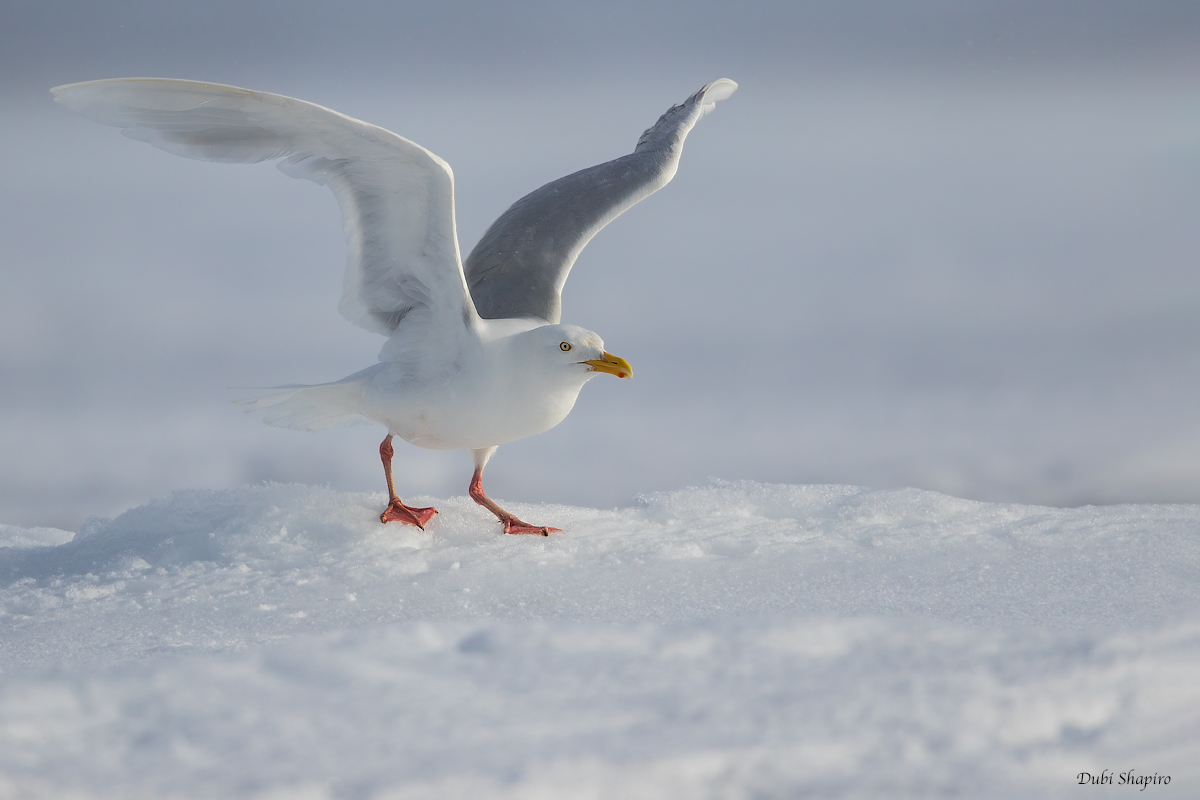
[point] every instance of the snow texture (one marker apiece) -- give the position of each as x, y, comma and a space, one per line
733, 641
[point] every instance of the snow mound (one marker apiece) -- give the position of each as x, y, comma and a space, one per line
735, 640
12, 536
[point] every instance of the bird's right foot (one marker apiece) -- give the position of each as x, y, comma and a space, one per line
398, 512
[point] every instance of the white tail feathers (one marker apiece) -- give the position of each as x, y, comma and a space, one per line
310, 408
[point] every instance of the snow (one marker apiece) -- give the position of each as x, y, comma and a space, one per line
728, 641
15, 536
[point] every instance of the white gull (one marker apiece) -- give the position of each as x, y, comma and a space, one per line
475, 355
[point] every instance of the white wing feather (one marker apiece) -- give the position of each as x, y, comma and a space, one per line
403, 268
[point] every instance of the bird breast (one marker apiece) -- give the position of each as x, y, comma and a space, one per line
479, 406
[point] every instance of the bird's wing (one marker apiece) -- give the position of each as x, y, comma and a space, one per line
520, 265
397, 198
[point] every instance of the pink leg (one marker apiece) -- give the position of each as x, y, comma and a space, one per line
511, 523
397, 511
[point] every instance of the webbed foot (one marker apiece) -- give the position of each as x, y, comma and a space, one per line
398, 512
514, 525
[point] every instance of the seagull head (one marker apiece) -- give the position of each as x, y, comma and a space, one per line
569, 349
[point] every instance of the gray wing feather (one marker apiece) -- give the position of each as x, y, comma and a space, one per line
520, 265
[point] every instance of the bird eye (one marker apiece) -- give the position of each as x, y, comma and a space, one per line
565, 346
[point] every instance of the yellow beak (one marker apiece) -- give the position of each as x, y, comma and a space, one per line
613, 365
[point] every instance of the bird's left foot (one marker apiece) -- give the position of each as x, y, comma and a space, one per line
514, 525
511, 523
398, 512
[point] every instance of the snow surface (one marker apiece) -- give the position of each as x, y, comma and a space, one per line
733, 641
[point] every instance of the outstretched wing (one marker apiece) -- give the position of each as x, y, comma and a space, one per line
520, 265
397, 198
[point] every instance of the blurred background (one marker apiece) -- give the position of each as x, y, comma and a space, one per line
949, 245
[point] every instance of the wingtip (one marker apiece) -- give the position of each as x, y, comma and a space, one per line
56, 92
67, 88
70, 94
719, 90
85, 92
73, 93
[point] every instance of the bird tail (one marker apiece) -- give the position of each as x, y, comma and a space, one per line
310, 408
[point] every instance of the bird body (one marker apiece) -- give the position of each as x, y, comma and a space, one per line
475, 355
537, 380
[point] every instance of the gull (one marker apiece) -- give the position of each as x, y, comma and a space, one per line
475, 355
